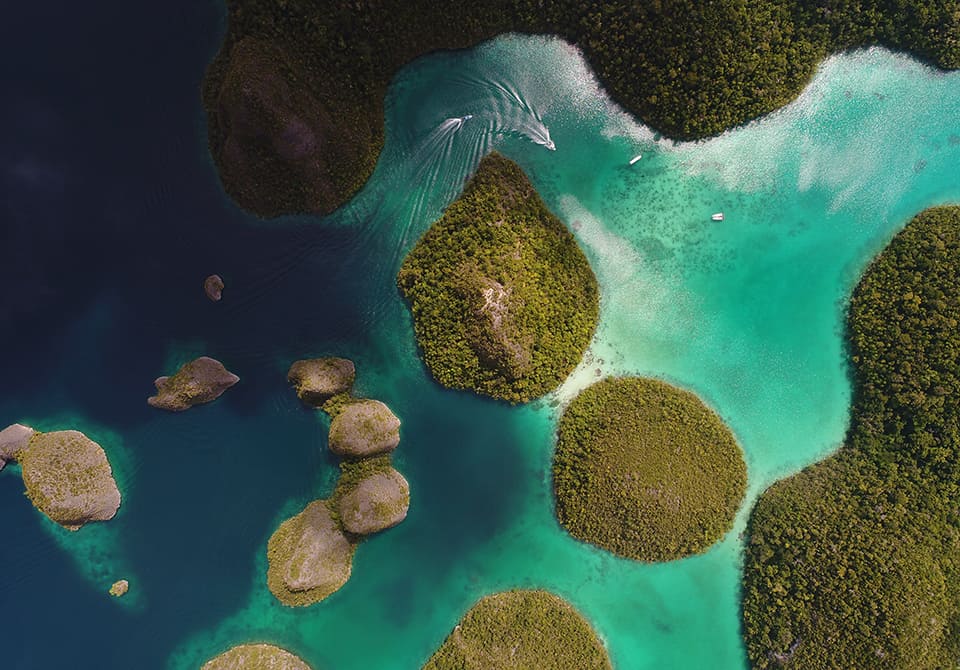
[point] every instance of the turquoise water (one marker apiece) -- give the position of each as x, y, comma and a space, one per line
747, 312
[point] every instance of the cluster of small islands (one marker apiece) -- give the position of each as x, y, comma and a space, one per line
853, 562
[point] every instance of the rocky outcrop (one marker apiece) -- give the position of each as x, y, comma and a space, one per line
119, 588
199, 381
255, 657
377, 502
68, 478
364, 428
13, 439
309, 557
316, 380
494, 334
213, 287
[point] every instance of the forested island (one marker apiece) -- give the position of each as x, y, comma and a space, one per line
646, 470
255, 657
520, 630
295, 96
504, 302
855, 561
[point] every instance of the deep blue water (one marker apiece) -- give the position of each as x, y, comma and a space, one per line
110, 211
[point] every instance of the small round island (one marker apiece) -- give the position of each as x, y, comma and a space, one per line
255, 657
646, 470
518, 630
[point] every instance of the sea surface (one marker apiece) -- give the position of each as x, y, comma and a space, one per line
111, 215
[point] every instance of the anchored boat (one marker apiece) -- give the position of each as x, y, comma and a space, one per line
717, 217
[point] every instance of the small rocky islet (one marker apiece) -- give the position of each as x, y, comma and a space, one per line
316, 380
119, 588
13, 439
363, 428
378, 501
199, 381
310, 555
213, 287
66, 474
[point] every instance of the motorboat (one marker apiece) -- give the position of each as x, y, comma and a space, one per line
635, 158
717, 217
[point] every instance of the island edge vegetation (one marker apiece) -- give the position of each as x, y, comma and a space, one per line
855, 562
295, 96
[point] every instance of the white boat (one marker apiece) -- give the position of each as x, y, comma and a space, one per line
717, 217
635, 158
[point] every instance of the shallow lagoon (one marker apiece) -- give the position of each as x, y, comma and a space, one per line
747, 312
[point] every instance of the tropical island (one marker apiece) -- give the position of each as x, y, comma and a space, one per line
295, 96
504, 302
199, 381
66, 474
855, 561
519, 630
255, 657
310, 555
646, 470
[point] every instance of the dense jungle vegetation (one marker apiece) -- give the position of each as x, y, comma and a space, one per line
504, 302
299, 127
646, 470
855, 562
521, 630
